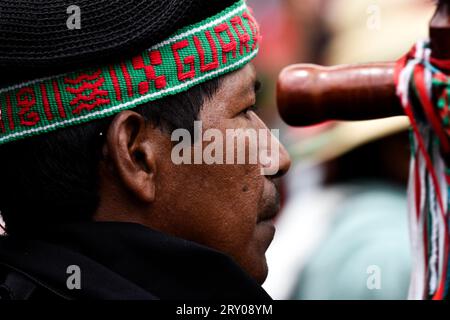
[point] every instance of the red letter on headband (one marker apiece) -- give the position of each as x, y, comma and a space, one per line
254, 26
188, 61
244, 37
226, 47
201, 52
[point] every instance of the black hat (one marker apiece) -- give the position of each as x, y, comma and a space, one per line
35, 40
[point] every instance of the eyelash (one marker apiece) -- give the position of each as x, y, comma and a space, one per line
253, 108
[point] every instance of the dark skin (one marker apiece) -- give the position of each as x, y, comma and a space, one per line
225, 207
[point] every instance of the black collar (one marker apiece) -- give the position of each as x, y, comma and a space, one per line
128, 261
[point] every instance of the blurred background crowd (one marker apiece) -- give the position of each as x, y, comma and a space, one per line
344, 219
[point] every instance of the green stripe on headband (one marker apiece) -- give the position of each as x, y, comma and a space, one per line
198, 53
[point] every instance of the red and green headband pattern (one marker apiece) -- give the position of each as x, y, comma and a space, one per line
195, 54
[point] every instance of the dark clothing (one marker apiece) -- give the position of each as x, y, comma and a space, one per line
122, 261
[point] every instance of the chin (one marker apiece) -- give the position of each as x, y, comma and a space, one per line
260, 273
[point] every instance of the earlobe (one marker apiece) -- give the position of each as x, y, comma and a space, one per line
130, 152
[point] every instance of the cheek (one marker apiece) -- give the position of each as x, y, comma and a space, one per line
219, 204
216, 205
235, 191
232, 195
234, 207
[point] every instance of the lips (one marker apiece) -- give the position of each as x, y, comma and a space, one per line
271, 211
268, 215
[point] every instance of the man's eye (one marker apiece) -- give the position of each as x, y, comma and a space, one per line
253, 108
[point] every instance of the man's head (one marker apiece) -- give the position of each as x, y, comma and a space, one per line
120, 168
223, 206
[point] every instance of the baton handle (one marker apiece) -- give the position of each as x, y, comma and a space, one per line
309, 94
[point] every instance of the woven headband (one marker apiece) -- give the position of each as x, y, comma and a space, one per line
195, 54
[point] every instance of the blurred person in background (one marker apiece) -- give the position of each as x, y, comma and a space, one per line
345, 218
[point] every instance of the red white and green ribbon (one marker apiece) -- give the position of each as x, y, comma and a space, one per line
424, 89
195, 54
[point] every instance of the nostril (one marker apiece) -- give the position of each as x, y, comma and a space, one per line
283, 168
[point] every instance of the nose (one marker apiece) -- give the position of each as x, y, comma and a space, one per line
276, 164
285, 161
279, 161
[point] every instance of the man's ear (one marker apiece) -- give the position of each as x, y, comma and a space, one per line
130, 153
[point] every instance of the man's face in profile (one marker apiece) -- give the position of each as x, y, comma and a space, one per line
227, 207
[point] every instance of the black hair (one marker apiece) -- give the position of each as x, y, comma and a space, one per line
53, 178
